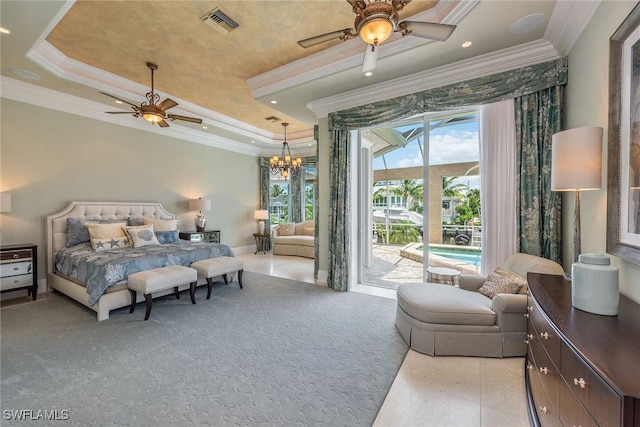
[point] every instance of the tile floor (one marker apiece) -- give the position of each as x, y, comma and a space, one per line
431, 391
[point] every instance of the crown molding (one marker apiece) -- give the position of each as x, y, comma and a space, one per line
36, 95
348, 55
567, 22
491, 63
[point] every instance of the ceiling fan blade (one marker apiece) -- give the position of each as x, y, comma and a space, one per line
185, 118
312, 41
121, 100
370, 58
166, 104
163, 124
428, 30
120, 112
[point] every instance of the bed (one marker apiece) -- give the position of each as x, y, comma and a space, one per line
98, 279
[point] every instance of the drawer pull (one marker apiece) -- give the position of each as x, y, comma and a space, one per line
543, 409
529, 338
544, 335
526, 315
544, 370
581, 382
529, 366
16, 256
530, 309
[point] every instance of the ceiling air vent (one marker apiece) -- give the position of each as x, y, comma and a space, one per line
272, 119
218, 20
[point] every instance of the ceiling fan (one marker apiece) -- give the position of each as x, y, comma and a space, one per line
374, 23
152, 109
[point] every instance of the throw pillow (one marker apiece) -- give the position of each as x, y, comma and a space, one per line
514, 277
287, 229
167, 236
105, 231
308, 231
77, 232
497, 284
107, 244
142, 235
161, 224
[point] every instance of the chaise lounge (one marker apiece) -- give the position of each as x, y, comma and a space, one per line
294, 239
440, 320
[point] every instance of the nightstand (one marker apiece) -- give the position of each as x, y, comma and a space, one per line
19, 268
212, 236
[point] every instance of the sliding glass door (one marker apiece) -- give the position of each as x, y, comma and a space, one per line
419, 198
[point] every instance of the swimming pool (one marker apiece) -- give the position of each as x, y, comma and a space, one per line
470, 257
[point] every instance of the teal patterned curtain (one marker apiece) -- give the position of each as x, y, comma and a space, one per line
538, 117
484, 90
316, 244
339, 216
297, 193
265, 177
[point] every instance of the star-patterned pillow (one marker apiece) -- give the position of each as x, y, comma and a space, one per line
108, 244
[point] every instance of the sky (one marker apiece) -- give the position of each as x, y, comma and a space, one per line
451, 144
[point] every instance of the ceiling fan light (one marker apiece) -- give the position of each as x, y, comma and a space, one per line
152, 117
376, 30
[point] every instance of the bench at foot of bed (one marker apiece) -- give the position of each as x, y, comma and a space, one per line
160, 279
216, 267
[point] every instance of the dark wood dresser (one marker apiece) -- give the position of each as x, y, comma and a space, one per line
582, 369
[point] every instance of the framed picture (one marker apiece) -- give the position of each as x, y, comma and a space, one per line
623, 197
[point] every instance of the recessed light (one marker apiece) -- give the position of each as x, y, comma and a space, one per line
204, 127
117, 101
310, 144
253, 142
467, 43
273, 101
368, 74
25, 74
527, 23
3, 30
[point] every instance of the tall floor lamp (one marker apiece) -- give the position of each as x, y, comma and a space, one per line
576, 165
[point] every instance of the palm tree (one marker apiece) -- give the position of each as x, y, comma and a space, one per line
410, 190
276, 190
452, 190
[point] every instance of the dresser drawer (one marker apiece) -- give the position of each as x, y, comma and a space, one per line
13, 282
572, 413
604, 404
15, 268
546, 413
548, 373
545, 333
15, 255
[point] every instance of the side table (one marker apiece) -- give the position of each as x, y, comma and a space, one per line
263, 242
443, 275
19, 268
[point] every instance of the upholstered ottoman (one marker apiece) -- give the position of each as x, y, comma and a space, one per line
159, 279
216, 267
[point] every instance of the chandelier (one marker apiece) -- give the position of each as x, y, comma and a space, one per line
284, 164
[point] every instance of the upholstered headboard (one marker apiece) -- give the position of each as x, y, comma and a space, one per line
56, 226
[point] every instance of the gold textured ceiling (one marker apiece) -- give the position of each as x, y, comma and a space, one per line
195, 62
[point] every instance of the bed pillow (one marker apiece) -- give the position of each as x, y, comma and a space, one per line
286, 229
497, 284
105, 231
167, 236
142, 235
131, 221
161, 224
107, 244
77, 232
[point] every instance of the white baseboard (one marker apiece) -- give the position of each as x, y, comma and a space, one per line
322, 276
244, 250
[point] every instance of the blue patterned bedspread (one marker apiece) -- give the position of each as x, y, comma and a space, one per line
99, 270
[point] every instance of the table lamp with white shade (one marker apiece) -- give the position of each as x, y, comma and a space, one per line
576, 165
261, 215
